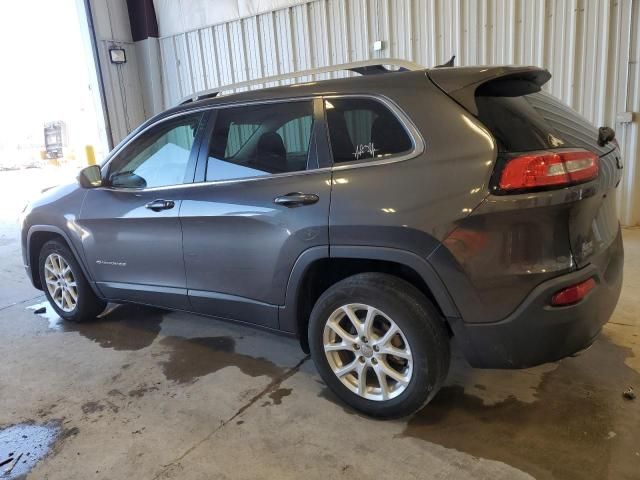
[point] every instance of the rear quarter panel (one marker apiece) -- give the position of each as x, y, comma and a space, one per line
413, 204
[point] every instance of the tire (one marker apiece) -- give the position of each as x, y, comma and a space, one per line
423, 340
87, 306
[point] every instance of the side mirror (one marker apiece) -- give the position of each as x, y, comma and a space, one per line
90, 177
127, 180
605, 135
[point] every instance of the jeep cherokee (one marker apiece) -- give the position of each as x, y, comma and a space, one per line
374, 217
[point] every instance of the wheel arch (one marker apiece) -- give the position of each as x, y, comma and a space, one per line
37, 236
318, 268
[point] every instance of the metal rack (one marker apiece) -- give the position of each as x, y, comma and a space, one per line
365, 67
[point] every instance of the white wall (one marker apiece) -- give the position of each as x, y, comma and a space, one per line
178, 16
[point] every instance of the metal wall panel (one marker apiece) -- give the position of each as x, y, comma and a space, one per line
122, 85
590, 47
123, 89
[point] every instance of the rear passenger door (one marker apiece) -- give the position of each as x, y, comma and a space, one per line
260, 202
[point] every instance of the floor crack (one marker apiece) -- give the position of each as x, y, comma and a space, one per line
623, 324
273, 385
4, 307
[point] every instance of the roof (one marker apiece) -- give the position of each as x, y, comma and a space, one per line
361, 84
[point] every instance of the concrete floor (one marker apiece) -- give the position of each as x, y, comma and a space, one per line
144, 393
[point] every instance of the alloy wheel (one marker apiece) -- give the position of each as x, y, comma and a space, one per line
61, 283
368, 352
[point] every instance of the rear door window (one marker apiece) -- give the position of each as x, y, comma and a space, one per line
260, 140
361, 129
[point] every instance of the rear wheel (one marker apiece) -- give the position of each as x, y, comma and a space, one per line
65, 285
379, 344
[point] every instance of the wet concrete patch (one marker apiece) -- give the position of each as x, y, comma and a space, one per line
121, 327
142, 390
23, 446
97, 407
192, 358
277, 395
92, 407
579, 426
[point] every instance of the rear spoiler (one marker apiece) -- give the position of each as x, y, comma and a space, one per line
463, 84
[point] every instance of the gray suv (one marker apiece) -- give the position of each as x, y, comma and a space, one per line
374, 217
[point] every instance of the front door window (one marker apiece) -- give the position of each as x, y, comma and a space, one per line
159, 157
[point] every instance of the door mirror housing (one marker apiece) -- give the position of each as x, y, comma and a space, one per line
90, 177
127, 180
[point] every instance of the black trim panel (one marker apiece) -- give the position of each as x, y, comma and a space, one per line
167, 297
411, 260
80, 258
233, 307
288, 313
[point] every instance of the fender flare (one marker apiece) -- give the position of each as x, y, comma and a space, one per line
288, 320
80, 258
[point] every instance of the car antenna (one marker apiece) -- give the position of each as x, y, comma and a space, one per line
448, 64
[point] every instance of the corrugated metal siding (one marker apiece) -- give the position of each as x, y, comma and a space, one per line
586, 44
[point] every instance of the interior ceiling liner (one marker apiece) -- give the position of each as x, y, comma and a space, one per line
178, 16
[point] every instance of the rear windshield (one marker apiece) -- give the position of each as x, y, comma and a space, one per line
535, 122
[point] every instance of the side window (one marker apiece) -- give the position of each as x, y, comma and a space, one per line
157, 158
259, 140
239, 135
361, 128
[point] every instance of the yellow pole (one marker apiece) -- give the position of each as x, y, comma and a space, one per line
91, 154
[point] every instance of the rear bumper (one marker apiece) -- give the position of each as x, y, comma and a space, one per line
537, 333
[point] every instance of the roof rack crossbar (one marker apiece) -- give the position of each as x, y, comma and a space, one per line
364, 67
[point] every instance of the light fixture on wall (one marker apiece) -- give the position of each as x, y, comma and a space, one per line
117, 55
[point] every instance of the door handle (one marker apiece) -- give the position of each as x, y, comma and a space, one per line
158, 205
296, 199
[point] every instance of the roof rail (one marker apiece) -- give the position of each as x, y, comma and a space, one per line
364, 67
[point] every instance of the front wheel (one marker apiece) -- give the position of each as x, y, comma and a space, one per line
379, 344
65, 285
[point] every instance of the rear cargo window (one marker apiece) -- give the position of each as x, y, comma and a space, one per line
516, 125
535, 122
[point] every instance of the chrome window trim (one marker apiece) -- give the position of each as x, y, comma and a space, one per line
226, 182
403, 118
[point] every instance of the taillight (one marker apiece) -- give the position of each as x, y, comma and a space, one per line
573, 294
548, 169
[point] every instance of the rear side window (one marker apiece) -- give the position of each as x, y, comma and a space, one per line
260, 140
361, 129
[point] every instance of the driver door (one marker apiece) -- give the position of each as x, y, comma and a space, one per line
132, 236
